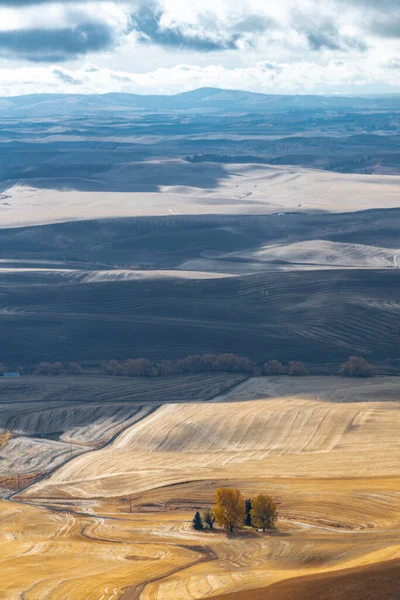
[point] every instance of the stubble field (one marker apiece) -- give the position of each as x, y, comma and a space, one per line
326, 448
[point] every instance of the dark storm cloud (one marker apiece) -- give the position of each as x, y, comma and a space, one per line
56, 45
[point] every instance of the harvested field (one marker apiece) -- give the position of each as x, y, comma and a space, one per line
152, 286
286, 316
175, 187
54, 555
283, 435
317, 254
327, 389
103, 390
356, 239
55, 418
326, 448
98, 548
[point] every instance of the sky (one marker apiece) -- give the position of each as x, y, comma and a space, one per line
172, 46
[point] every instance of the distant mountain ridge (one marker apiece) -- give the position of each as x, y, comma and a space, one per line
202, 100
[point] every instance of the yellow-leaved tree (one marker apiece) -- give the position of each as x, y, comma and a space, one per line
229, 509
263, 512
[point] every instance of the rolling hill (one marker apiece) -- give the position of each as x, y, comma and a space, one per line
201, 100
274, 315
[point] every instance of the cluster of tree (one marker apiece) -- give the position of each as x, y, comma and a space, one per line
59, 368
231, 511
295, 368
356, 366
138, 367
196, 363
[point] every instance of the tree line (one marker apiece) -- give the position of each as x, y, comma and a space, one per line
195, 363
355, 366
59, 368
231, 511
199, 363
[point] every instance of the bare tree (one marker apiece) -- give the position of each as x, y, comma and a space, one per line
357, 366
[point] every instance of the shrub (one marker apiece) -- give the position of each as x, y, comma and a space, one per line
297, 369
357, 366
74, 368
57, 368
109, 367
119, 370
274, 367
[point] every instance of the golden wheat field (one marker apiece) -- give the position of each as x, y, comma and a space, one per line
326, 448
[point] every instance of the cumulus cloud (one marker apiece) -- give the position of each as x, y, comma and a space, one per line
207, 27
153, 25
147, 23
256, 44
328, 37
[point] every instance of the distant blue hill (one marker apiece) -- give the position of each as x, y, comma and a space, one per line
203, 100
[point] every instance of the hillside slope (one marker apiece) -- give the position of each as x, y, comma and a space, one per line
290, 436
275, 315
